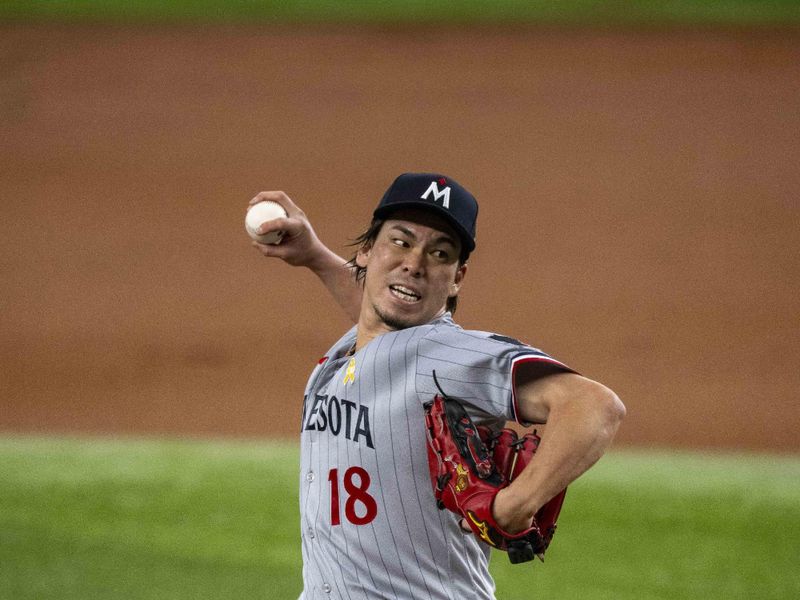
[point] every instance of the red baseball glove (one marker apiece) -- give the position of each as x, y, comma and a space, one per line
469, 465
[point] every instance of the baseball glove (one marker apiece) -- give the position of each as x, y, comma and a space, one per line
469, 465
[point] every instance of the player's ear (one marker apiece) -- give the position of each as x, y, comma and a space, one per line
455, 287
362, 256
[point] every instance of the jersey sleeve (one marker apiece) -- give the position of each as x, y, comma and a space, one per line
478, 368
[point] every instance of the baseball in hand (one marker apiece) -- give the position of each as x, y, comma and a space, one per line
261, 213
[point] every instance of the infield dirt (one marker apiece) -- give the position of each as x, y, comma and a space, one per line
639, 215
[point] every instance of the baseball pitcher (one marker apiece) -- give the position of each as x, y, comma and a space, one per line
408, 474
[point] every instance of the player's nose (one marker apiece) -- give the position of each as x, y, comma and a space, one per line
414, 263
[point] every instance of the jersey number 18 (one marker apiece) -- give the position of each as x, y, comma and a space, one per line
356, 494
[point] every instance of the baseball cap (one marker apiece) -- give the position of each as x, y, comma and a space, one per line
439, 194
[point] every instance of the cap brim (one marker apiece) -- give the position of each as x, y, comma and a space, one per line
467, 243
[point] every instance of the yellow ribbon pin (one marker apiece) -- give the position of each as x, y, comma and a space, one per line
350, 374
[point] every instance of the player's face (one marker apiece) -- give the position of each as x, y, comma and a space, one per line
412, 269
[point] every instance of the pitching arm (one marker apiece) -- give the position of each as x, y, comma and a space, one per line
302, 248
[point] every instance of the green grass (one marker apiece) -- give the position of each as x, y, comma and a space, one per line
101, 518
134, 519
436, 12
674, 525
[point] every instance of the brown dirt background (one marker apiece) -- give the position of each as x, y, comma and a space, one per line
639, 214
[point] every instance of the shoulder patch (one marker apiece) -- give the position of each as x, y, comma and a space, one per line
507, 340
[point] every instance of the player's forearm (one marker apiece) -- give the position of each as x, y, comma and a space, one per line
579, 430
338, 278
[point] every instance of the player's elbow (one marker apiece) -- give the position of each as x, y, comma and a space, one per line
610, 410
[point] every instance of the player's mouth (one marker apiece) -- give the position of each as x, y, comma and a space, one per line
405, 294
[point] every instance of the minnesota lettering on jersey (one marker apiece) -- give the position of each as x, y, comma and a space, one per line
339, 417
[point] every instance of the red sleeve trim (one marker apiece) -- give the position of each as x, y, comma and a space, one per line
522, 360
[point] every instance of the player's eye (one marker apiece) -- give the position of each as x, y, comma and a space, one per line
441, 254
399, 242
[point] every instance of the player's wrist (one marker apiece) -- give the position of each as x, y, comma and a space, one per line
512, 510
321, 260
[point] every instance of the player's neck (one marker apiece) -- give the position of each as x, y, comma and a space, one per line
370, 326
366, 333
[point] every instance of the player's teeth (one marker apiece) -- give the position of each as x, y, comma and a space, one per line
404, 293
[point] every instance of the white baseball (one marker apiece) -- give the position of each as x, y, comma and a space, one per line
261, 213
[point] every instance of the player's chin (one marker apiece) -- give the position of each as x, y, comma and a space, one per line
400, 317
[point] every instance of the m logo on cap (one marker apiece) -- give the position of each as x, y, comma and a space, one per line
437, 194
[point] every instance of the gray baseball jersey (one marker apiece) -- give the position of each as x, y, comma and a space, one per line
369, 522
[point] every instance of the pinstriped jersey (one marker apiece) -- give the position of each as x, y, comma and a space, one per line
370, 527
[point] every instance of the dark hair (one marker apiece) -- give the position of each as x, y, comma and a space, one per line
368, 237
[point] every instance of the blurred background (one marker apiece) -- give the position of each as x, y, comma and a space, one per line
638, 187
635, 163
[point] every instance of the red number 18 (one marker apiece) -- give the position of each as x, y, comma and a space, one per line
355, 493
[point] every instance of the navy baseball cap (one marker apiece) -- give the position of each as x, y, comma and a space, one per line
439, 194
